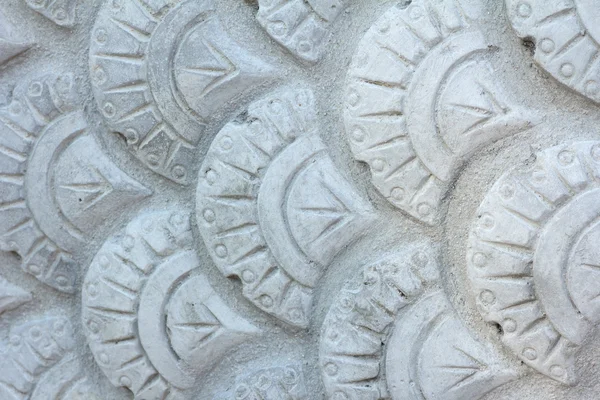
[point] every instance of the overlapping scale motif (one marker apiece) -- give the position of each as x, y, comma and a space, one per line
533, 259
271, 206
277, 222
421, 98
160, 69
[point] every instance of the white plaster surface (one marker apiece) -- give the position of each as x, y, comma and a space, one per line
299, 199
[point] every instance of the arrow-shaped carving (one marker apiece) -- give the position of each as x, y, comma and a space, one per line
95, 190
336, 212
220, 74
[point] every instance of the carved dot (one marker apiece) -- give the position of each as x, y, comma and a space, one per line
59, 327
93, 327
487, 297
116, 4
331, 369
60, 14
295, 315
415, 12
103, 358
539, 176
92, 290
179, 171
358, 134
547, 45
557, 371
35, 333
304, 46
509, 325
398, 193
524, 10
148, 225
99, 75
383, 27
565, 157
226, 143
346, 304
248, 276
340, 396
211, 176
479, 260
256, 127
15, 340
125, 381
424, 209
62, 281
507, 191
592, 88
264, 382
290, 376
177, 219
221, 251
153, 159
15, 108
38, 3
131, 136
303, 98
64, 84
378, 165
34, 269
353, 98
35, 89
242, 391
109, 110
278, 28
277, 107
104, 261
371, 277
420, 259
595, 152
333, 335
266, 300
567, 70
101, 36
487, 221
529, 353
128, 242
209, 215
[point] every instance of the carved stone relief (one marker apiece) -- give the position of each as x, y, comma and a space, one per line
299, 200
566, 35
532, 259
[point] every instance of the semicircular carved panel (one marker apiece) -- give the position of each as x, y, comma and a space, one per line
532, 259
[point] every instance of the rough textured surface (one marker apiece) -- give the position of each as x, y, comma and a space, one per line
299, 199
